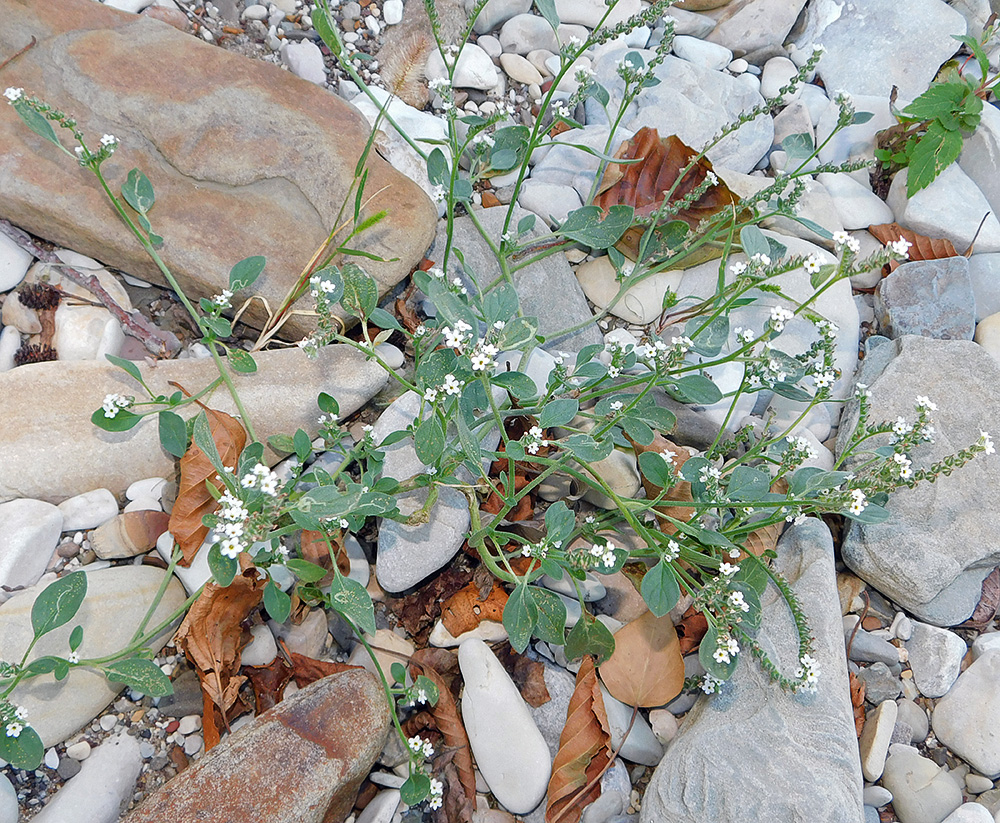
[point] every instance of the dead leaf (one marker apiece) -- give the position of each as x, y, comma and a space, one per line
766, 537
858, 701
465, 609
193, 498
308, 670
315, 550
642, 185
646, 668
212, 636
921, 246
528, 675
989, 601
681, 493
456, 806
418, 610
584, 750
268, 682
691, 630
447, 721
445, 663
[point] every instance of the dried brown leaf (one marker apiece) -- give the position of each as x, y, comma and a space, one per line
268, 682
766, 537
584, 750
308, 670
193, 498
418, 610
647, 668
457, 806
691, 630
921, 246
858, 701
212, 635
315, 550
465, 609
528, 675
681, 493
445, 663
989, 602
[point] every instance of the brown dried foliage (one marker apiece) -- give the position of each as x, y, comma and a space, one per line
921, 246
989, 601
315, 550
858, 701
418, 610
193, 498
647, 668
584, 750
680, 493
528, 675
466, 608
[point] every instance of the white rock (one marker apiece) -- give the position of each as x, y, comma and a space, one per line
935, 657
987, 334
989, 641
86, 333
392, 12
875, 739
969, 813
690, 22
16, 315
29, 532
103, 787
149, 488
475, 69
392, 356
189, 724
520, 69
490, 44
641, 745
702, 53
255, 12
620, 472
305, 60
10, 342
489, 631
14, 263
641, 304
193, 744
51, 758
550, 202
78, 751
88, 510
778, 72
511, 752
360, 571
590, 587
858, 206
8, 801
193, 576
524, 33
590, 12
965, 719
306, 638
262, 649
664, 725
382, 807
495, 13
134, 6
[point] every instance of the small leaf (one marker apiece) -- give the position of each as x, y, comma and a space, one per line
241, 361
586, 226
428, 441
139, 674
747, 484
415, 788
659, 589
585, 449
655, 469
350, 599
360, 291
437, 168
589, 636
277, 603
173, 433
244, 273
304, 570
138, 191
37, 123
709, 643
328, 404
121, 422
76, 638
24, 751
223, 568
754, 241
518, 384
58, 603
519, 617
303, 445
647, 668
127, 365
551, 625
559, 412
218, 326
547, 8
697, 389
934, 151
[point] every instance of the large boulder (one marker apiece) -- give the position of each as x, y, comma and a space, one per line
245, 158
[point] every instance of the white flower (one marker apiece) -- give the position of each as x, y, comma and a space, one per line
709, 473
709, 684
712, 178
451, 385
109, 140
683, 344
738, 268
737, 601
420, 331
14, 729
430, 395
438, 83
222, 300
73, 658
436, 794
438, 194
901, 460
457, 283
453, 338
673, 550
779, 316
79, 151
481, 361
668, 455
614, 371
824, 379
721, 655
861, 391
762, 259
21, 713
812, 264
728, 569
343, 523
853, 244
923, 403
987, 443
859, 501
901, 428
901, 247
231, 547
13, 95
840, 237
617, 406
113, 403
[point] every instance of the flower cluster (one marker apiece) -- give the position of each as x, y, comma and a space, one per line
261, 477
421, 747
779, 316
113, 403
230, 532
533, 440
13, 95
842, 238
727, 649
604, 554
13, 719
808, 673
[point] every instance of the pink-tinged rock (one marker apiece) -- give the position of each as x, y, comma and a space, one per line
300, 762
245, 158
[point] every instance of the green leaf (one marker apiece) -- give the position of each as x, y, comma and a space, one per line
518, 384
754, 241
415, 788
590, 636
223, 568
934, 151
709, 643
44, 665
173, 433
655, 469
428, 441
810, 479
525, 224
586, 226
798, 146
75, 638
398, 672
977, 50
462, 189
325, 29
24, 751
281, 443
818, 278
659, 589
139, 674
585, 449
547, 8
360, 291
437, 168
327, 403
37, 123
350, 599
551, 625
559, 522
637, 430
520, 615
128, 365
872, 514
241, 361
427, 685
58, 603
502, 159
202, 436
710, 340
331, 276
518, 333
470, 443
277, 603
303, 445
559, 412
384, 320
218, 326
121, 422
138, 191
244, 273
939, 99
697, 389
747, 484
658, 417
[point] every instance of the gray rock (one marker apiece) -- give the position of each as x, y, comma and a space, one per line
873, 46
965, 719
952, 207
382, 808
981, 153
746, 27
8, 801
496, 12
49, 443
921, 791
103, 788
235, 171
550, 717
117, 599
935, 658
526, 32
915, 717
187, 696
969, 813
858, 206
932, 298
641, 745
877, 796
880, 683
985, 643
29, 532
984, 272
590, 12
88, 510
869, 648
691, 102
535, 284
551, 202
304, 59
713, 768
937, 547
875, 738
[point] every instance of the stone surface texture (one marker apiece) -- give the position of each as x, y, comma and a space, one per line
322, 740
718, 766
934, 551
965, 720
932, 298
49, 443
153, 87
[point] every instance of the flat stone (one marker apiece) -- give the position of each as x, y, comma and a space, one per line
88, 510
932, 554
510, 751
520, 69
871, 47
117, 599
640, 304
922, 792
952, 207
935, 658
858, 206
876, 796
234, 176
969, 813
382, 808
496, 13
965, 720
705, 774
746, 27
981, 153
49, 443
915, 717
29, 532
702, 53
8, 801
523, 33
932, 298
867, 647
474, 70
590, 12
880, 683
691, 102
102, 789
304, 59
984, 270
14, 263
641, 745
984, 643
875, 738
305, 759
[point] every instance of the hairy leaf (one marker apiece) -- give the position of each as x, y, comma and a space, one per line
646, 668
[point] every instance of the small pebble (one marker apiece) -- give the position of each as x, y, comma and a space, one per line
52, 758
189, 724
68, 768
108, 722
193, 744
78, 751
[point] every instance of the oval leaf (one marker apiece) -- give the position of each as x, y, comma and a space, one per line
58, 603
140, 674
647, 668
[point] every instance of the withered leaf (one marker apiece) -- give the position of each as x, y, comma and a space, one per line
528, 675
680, 493
691, 630
212, 635
647, 668
445, 664
268, 682
465, 610
858, 701
315, 550
921, 246
457, 806
642, 185
418, 610
307, 670
584, 750
193, 498
989, 601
